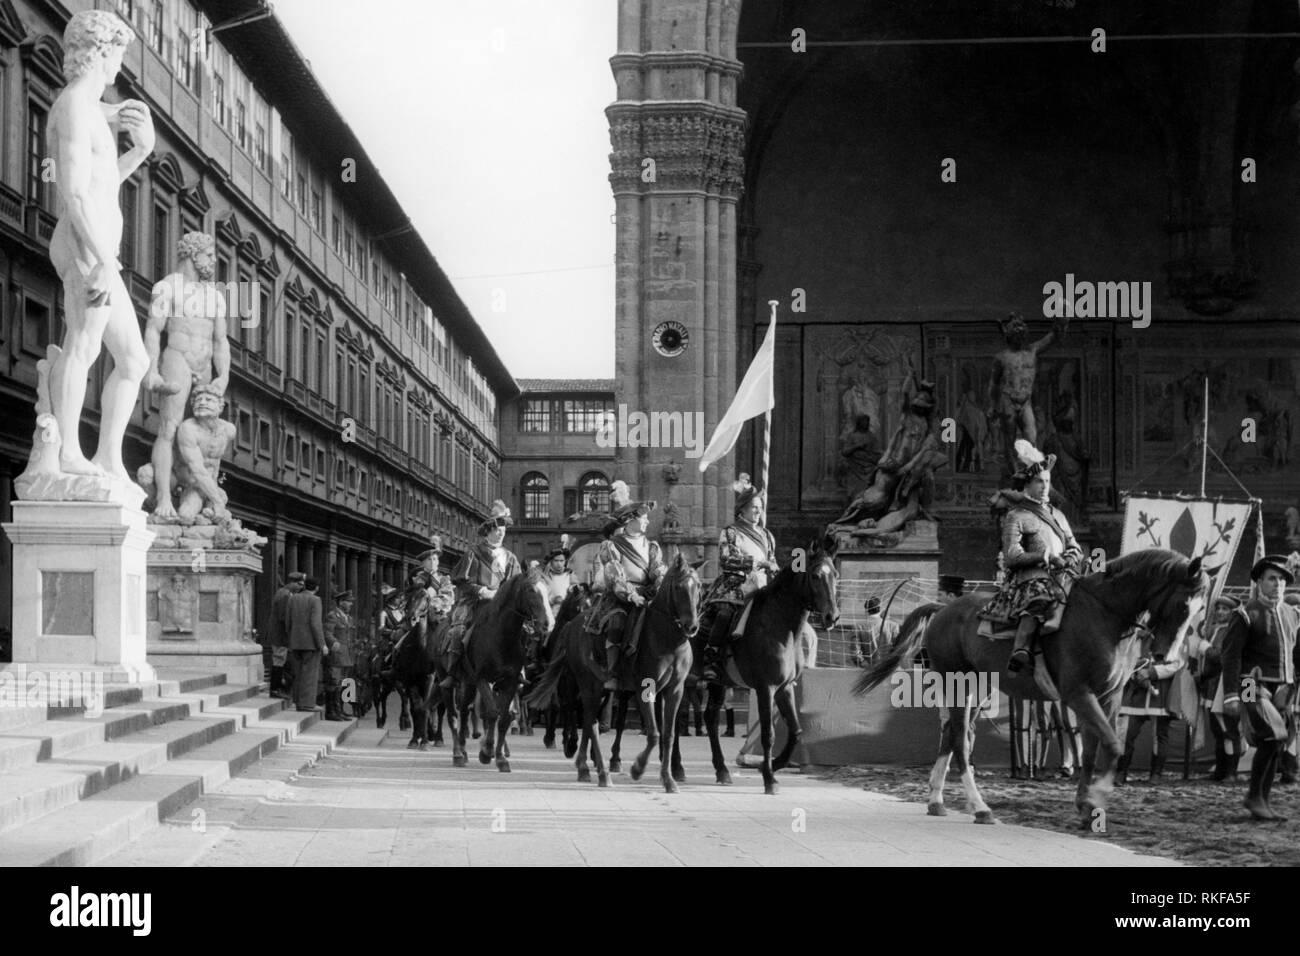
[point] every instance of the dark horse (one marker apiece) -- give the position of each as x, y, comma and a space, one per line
663, 659
494, 658
768, 658
1082, 659
413, 662
564, 711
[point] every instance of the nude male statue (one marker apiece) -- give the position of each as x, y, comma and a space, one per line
84, 246
202, 442
1012, 386
188, 305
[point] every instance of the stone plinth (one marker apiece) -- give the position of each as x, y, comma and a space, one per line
79, 587
200, 604
915, 554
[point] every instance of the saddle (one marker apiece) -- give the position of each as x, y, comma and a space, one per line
1006, 630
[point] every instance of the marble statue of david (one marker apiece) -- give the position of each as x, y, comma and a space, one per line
84, 247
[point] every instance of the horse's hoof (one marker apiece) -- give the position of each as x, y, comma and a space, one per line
379, 725
936, 810
724, 778
484, 758
459, 760
985, 816
615, 765
424, 745
602, 780
548, 744
670, 786
584, 775
503, 766
411, 744
569, 751
770, 789
637, 770
679, 774
437, 741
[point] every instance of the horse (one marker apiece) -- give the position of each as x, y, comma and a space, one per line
662, 661
1081, 657
767, 657
494, 658
563, 712
414, 661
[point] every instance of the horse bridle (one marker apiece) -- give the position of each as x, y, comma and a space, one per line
670, 612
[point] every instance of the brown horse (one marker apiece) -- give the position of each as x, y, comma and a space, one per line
1081, 657
494, 658
663, 659
767, 657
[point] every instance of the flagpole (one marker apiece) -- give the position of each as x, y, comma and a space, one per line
1205, 434
767, 435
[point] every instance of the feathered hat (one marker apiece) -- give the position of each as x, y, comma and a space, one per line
623, 508
1032, 461
498, 517
745, 491
565, 548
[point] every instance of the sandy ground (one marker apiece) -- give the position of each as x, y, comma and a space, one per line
1197, 821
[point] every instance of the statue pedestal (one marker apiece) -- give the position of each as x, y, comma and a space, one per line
204, 620
79, 587
916, 555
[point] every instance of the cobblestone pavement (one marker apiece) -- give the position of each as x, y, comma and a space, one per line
373, 802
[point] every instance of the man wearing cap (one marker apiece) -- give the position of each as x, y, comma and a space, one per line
278, 635
304, 621
340, 633
1039, 553
631, 567
555, 581
747, 557
442, 593
875, 633
478, 575
1259, 674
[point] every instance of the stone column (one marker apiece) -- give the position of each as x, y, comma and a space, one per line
677, 170
290, 555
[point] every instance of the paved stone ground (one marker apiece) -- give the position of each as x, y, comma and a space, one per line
373, 802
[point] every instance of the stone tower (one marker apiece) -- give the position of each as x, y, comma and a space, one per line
676, 170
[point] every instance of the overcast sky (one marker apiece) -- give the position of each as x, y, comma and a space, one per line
487, 121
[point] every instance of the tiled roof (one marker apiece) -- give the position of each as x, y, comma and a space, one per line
566, 384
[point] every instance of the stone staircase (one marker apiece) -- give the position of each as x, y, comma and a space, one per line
76, 788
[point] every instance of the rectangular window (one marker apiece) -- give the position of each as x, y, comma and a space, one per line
361, 260
290, 451
320, 464
585, 416
36, 185
264, 438
374, 276
129, 198
304, 455
245, 429
184, 58
219, 99
302, 192
322, 367
317, 210
348, 256
259, 146
259, 333
290, 340
340, 377
336, 234
241, 125
537, 415
304, 355
161, 240
154, 26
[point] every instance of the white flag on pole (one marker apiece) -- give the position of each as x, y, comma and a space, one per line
754, 397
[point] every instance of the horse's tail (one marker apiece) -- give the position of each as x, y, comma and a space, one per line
548, 684
911, 635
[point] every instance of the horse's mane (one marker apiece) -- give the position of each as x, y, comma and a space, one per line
1145, 564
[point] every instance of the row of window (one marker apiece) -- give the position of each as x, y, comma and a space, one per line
177, 32
310, 460
572, 415
591, 495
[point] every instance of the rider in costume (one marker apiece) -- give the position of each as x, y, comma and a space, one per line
631, 569
1039, 553
477, 576
747, 557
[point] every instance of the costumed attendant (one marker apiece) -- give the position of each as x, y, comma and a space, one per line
1259, 672
478, 575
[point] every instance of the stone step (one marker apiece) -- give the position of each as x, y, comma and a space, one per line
106, 823
59, 781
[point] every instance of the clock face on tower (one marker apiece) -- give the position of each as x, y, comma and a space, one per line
670, 338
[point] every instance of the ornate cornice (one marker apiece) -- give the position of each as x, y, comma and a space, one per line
167, 173
195, 199
43, 55
695, 146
